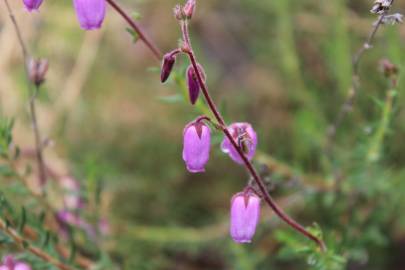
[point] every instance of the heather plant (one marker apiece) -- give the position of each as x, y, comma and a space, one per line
338, 191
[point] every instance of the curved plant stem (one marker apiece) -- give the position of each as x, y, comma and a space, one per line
266, 196
19, 240
142, 36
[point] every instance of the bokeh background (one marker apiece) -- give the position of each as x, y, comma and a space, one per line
284, 66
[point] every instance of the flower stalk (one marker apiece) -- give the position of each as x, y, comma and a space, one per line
187, 48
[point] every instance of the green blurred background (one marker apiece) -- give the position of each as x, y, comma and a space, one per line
285, 67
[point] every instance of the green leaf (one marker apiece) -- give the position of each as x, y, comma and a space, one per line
45, 239
136, 15
72, 254
23, 219
17, 152
133, 34
177, 98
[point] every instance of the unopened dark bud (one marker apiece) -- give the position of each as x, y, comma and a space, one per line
193, 82
37, 69
167, 66
388, 68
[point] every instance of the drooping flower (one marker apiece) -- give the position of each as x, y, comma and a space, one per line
245, 214
90, 13
167, 66
9, 263
246, 139
192, 82
31, 5
196, 146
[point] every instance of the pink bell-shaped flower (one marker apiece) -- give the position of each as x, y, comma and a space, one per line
90, 13
245, 137
196, 146
245, 214
31, 5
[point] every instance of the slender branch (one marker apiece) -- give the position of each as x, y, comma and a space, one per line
23, 243
259, 181
156, 52
33, 90
18, 32
354, 89
38, 140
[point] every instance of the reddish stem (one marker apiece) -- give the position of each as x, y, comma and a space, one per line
260, 183
142, 36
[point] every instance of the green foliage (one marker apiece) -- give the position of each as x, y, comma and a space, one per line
6, 126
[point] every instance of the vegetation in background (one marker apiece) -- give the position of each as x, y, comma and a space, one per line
284, 66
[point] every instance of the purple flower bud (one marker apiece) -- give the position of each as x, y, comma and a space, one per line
90, 13
32, 4
9, 263
193, 83
189, 8
196, 146
245, 213
178, 12
167, 66
245, 137
37, 69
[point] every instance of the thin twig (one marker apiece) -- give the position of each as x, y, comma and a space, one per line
33, 90
250, 168
38, 140
142, 36
347, 105
25, 245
